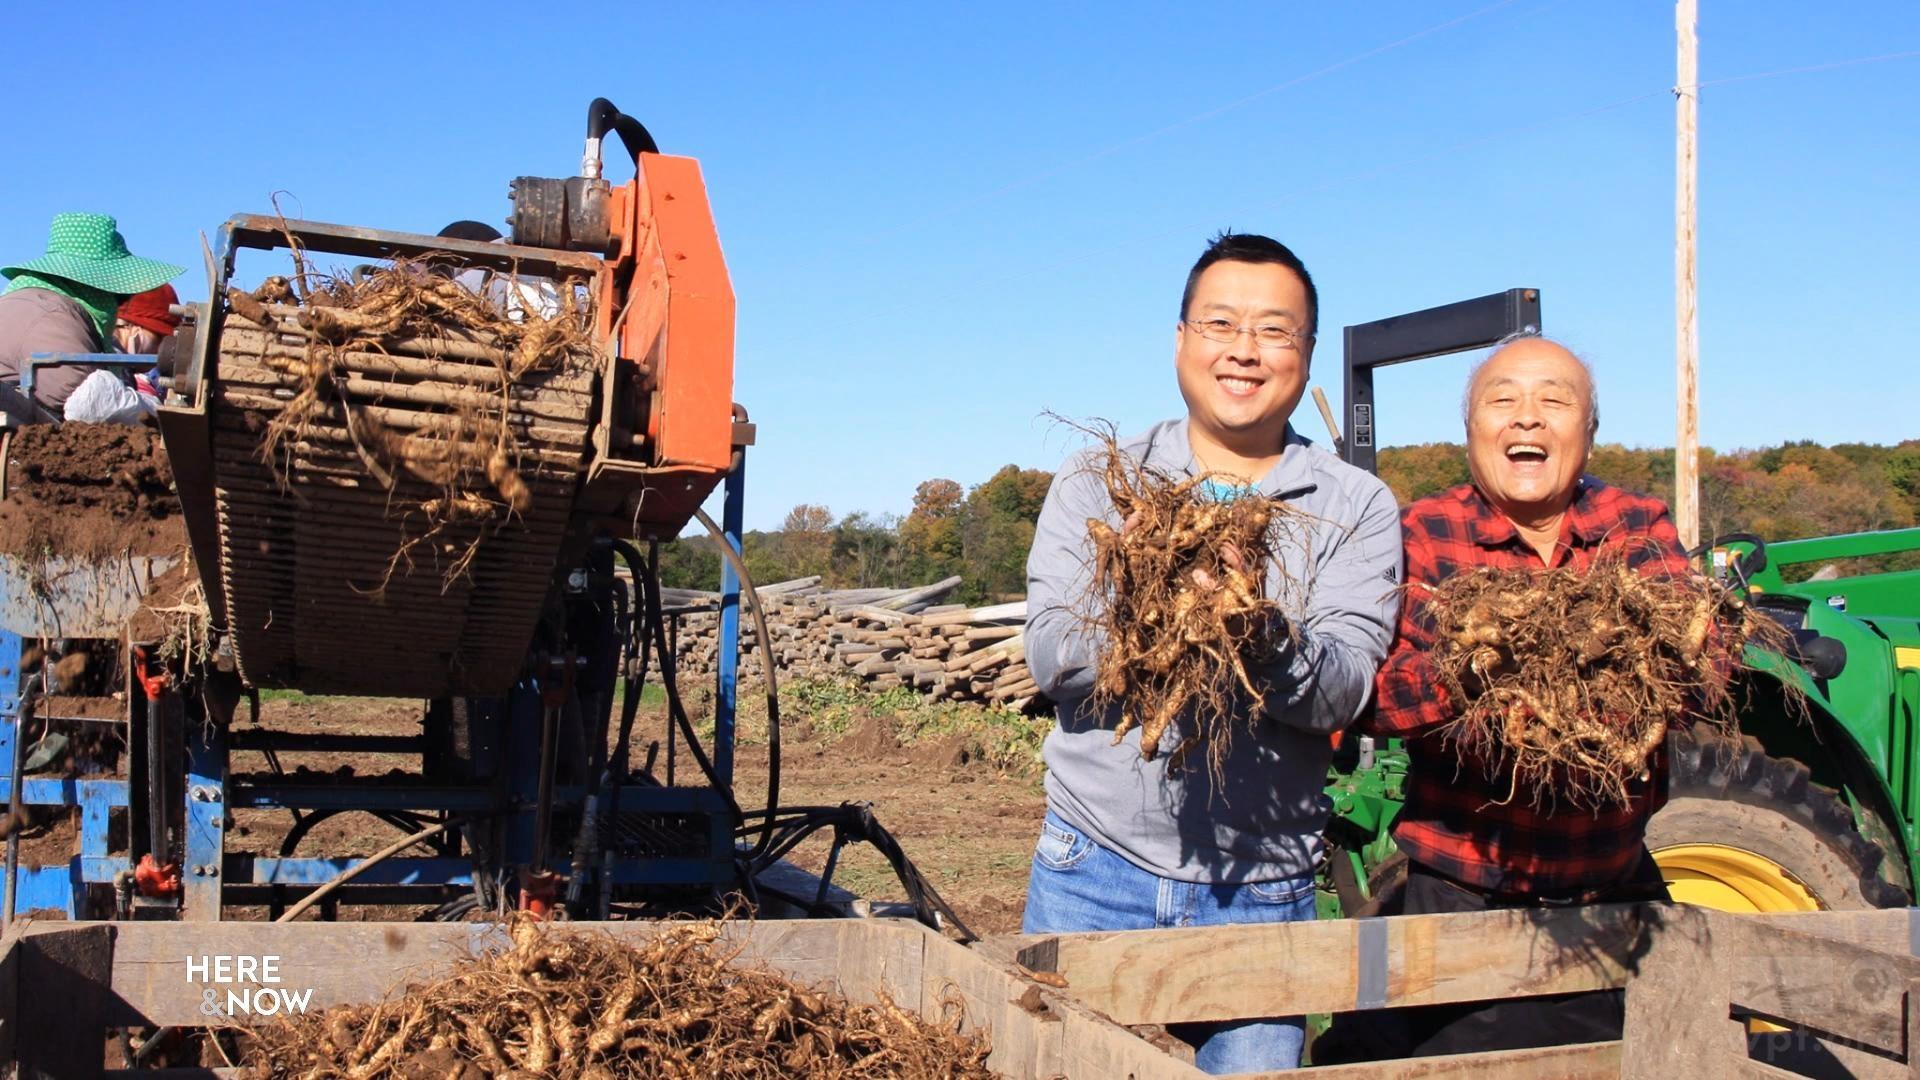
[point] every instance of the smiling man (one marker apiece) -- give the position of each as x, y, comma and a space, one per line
1474, 843
1130, 844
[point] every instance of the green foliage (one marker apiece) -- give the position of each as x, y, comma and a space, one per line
1786, 492
692, 562
1415, 472
834, 708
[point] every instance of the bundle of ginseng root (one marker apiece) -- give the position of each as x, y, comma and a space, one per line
404, 317
571, 1004
1569, 680
1179, 621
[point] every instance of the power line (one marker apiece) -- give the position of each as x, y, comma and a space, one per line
1855, 62
1423, 157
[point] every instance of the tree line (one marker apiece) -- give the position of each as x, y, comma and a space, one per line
982, 534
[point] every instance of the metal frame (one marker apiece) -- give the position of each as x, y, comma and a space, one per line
213, 876
1435, 331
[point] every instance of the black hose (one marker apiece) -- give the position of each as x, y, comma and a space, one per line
602, 117
765, 640
587, 837
855, 822
656, 624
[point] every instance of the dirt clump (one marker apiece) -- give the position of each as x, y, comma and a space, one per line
1178, 598
578, 1004
88, 491
1570, 679
173, 616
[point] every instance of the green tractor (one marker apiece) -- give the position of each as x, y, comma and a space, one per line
1814, 805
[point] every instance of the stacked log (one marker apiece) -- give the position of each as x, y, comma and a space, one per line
883, 637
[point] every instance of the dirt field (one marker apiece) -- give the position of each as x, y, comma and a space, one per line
970, 827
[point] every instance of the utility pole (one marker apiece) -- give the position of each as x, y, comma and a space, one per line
1686, 449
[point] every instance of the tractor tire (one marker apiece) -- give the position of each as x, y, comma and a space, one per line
1726, 792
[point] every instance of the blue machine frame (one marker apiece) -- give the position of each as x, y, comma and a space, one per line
208, 870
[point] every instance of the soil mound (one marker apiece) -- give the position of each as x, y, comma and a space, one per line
88, 491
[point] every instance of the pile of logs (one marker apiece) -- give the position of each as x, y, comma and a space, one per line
884, 637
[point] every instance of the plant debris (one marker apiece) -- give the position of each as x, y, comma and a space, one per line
1178, 600
1569, 680
585, 1005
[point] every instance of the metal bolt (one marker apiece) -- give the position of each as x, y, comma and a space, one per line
213, 871
199, 871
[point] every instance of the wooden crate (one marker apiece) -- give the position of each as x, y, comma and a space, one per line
63, 985
1844, 984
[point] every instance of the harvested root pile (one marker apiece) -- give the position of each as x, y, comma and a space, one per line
1571, 679
584, 1005
1178, 598
467, 447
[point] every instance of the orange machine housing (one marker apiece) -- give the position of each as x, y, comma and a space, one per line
668, 435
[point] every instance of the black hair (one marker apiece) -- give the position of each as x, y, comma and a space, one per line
1231, 246
470, 230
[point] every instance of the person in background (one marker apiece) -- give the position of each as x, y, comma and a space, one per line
513, 295
146, 322
67, 301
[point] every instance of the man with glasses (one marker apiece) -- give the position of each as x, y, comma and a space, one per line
1135, 844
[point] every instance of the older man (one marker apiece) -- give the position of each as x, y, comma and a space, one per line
1135, 844
1473, 842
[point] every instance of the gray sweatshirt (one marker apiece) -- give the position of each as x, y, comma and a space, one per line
1262, 820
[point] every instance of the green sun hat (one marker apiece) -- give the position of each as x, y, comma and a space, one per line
89, 249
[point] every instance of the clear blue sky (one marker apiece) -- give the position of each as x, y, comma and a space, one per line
942, 221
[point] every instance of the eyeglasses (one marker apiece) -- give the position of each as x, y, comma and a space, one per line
1226, 331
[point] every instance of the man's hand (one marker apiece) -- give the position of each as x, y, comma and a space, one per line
1229, 555
1489, 663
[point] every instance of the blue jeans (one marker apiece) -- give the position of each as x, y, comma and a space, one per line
1078, 885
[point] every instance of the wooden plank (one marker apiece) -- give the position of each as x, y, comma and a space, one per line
1094, 1048
1677, 1004
1226, 972
1758, 1070
981, 993
68, 970
10, 950
866, 960
1913, 1029
344, 962
1824, 985
1039, 1031
1580, 1061
1893, 930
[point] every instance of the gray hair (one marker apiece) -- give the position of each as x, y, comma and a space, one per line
1533, 334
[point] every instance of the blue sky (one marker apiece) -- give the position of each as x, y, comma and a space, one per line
942, 221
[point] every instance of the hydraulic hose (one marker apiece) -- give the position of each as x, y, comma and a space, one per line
603, 117
765, 640
656, 624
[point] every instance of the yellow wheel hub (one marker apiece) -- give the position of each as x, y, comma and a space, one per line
1731, 879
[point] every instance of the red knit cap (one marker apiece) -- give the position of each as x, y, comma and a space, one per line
149, 310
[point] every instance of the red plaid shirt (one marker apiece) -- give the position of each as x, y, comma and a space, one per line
1461, 818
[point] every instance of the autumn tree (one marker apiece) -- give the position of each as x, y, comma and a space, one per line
930, 534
